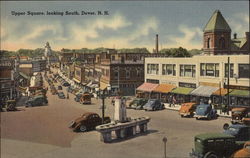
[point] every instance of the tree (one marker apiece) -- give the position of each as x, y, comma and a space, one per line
176, 52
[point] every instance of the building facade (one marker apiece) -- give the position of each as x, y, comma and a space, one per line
217, 38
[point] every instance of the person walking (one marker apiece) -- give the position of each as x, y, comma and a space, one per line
170, 100
174, 101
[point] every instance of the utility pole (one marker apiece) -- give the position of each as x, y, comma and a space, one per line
228, 76
165, 147
103, 108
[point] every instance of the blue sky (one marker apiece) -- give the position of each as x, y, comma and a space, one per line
128, 25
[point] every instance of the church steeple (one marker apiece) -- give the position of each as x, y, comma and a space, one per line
217, 23
217, 35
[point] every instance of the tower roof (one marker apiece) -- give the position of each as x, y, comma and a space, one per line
217, 23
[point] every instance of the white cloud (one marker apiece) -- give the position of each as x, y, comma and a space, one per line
239, 24
186, 40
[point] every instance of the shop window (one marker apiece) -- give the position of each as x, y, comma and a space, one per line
152, 68
127, 74
244, 70
116, 73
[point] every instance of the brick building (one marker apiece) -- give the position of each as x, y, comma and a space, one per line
217, 38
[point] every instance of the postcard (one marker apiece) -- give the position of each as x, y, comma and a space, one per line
124, 79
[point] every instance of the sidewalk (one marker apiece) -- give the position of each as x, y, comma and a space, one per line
178, 106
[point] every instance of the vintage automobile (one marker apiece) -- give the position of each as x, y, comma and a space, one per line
239, 131
214, 145
61, 95
36, 101
187, 109
205, 111
153, 104
238, 114
85, 98
244, 152
65, 84
53, 91
59, 87
87, 121
138, 103
10, 105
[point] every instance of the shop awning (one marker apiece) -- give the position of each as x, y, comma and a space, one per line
147, 87
78, 81
182, 90
204, 91
164, 88
103, 85
222, 91
240, 93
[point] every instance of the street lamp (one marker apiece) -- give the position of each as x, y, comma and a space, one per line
165, 148
103, 96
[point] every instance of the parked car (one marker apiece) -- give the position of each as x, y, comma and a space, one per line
205, 111
153, 104
53, 91
187, 109
138, 103
36, 101
214, 145
65, 84
244, 152
239, 131
61, 95
59, 87
85, 98
87, 121
238, 114
10, 105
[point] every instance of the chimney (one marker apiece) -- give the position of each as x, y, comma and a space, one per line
235, 35
156, 44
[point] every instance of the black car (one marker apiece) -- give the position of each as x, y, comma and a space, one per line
153, 104
240, 132
59, 87
36, 101
65, 84
61, 95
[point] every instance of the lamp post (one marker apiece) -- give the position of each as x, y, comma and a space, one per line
165, 147
103, 96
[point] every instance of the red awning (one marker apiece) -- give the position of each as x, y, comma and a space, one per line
147, 87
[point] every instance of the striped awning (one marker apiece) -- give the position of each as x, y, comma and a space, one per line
204, 91
164, 88
147, 87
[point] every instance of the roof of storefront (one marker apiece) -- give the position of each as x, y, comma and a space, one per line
221, 91
147, 87
164, 88
182, 90
243, 93
205, 91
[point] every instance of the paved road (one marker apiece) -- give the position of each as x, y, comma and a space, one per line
43, 132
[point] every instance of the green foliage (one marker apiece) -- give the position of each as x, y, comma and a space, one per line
195, 52
133, 50
176, 52
5, 53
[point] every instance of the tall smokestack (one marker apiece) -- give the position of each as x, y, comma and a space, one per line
156, 44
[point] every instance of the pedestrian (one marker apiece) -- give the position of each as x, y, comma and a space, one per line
170, 100
113, 102
67, 95
174, 101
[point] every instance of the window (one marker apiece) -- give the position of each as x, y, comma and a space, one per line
187, 70
152, 68
152, 81
244, 70
112, 57
208, 43
209, 69
138, 74
222, 43
231, 70
116, 74
168, 69
127, 74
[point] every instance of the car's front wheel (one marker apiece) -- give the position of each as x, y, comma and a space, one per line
210, 155
83, 128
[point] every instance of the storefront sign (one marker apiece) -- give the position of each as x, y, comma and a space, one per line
6, 63
187, 85
237, 87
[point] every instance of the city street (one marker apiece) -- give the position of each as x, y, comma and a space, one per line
43, 132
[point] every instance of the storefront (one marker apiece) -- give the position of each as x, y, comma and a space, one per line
182, 94
240, 98
202, 94
162, 92
145, 90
